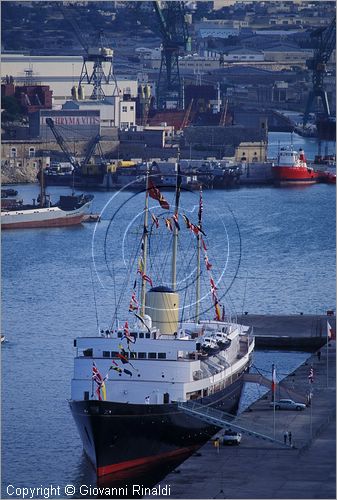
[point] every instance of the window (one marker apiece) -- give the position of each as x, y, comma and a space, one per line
131, 108
86, 395
13, 152
114, 354
124, 109
120, 335
133, 355
161, 355
31, 152
106, 354
142, 355
141, 335
87, 352
147, 336
152, 355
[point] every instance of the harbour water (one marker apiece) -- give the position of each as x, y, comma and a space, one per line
282, 260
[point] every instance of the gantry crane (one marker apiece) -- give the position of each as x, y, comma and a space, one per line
326, 41
175, 39
98, 54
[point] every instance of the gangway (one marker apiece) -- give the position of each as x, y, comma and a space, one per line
223, 419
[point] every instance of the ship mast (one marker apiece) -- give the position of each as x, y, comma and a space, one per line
144, 243
175, 229
197, 307
42, 187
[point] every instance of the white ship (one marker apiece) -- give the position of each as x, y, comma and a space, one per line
129, 380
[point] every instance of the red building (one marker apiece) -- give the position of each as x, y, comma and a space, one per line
30, 97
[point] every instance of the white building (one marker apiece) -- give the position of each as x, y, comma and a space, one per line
61, 73
114, 111
239, 55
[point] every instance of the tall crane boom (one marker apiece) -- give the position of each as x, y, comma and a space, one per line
61, 142
175, 38
63, 145
98, 54
326, 38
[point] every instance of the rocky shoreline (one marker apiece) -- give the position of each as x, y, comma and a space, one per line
14, 175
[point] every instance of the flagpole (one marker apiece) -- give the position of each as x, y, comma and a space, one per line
311, 399
145, 237
327, 354
175, 229
197, 306
274, 409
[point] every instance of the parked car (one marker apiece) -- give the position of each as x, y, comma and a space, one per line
288, 404
230, 437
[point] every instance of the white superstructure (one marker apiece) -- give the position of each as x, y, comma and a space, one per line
164, 368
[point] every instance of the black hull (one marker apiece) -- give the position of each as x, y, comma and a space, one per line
122, 439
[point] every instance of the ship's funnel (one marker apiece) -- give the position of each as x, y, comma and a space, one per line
162, 305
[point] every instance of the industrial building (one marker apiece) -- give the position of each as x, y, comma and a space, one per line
75, 124
61, 73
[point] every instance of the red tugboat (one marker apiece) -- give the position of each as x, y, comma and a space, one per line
292, 168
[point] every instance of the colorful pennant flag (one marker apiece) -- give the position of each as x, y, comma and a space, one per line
175, 220
208, 264
155, 220
331, 331
168, 224
217, 311
134, 305
273, 379
156, 195
98, 379
127, 335
187, 222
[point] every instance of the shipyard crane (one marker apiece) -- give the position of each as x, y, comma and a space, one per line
97, 55
175, 38
326, 41
63, 145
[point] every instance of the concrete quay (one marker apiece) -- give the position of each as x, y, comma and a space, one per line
257, 469
300, 331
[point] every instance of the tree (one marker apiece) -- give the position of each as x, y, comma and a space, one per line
12, 109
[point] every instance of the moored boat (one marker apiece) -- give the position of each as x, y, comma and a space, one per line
68, 211
292, 168
328, 176
129, 380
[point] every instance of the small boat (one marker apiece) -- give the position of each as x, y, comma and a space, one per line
130, 378
328, 176
3, 338
5, 193
68, 211
292, 168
